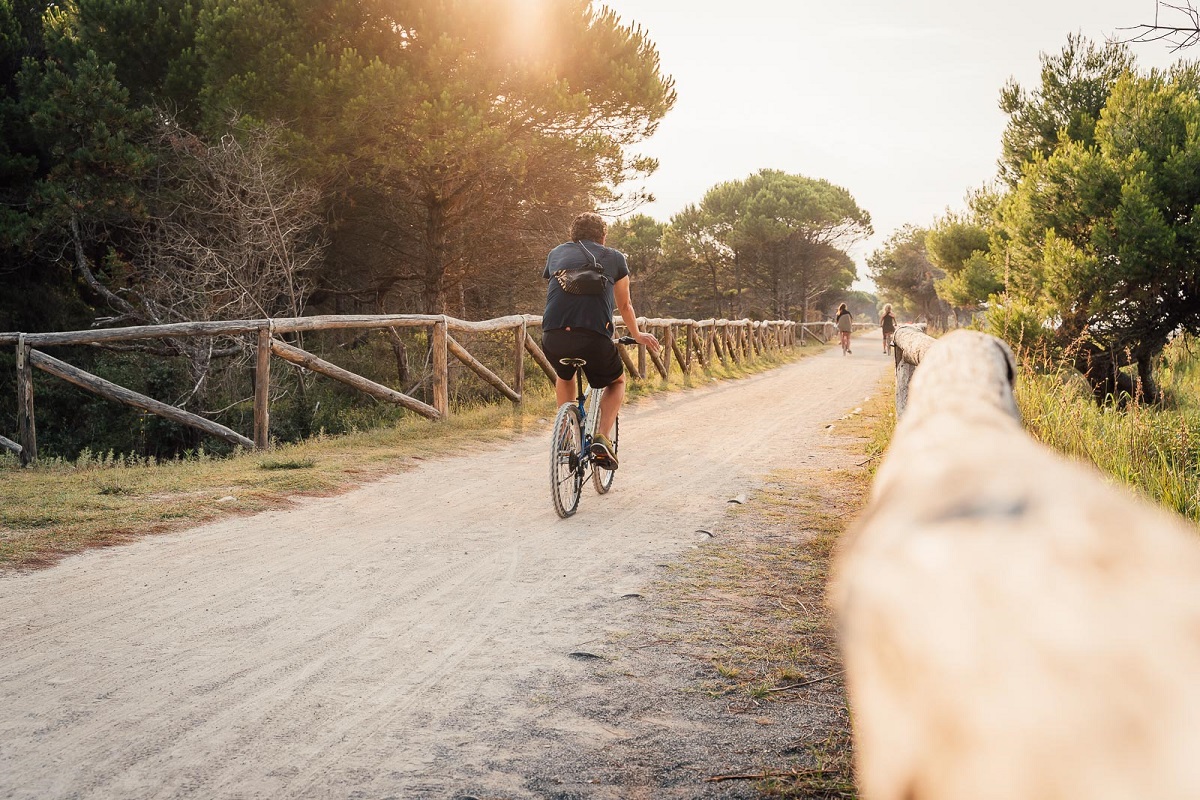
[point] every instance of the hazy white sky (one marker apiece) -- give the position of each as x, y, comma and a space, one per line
896, 100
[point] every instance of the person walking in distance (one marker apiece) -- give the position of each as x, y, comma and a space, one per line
845, 324
888, 323
578, 323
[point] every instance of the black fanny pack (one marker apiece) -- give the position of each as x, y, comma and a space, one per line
587, 280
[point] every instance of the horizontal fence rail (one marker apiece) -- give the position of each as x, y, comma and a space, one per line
685, 342
1013, 626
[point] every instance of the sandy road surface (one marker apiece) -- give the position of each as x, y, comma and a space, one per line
395, 641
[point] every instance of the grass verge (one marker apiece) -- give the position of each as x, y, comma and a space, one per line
58, 507
749, 607
1153, 449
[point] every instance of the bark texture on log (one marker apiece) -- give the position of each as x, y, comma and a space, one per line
540, 358
441, 369
26, 421
262, 390
479, 369
307, 360
119, 394
1014, 627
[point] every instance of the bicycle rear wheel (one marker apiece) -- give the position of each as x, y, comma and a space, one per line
566, 466
602, 478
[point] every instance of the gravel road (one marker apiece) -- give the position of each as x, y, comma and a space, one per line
406, 639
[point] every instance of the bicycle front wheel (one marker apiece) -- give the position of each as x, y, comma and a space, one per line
602, 478
566, 462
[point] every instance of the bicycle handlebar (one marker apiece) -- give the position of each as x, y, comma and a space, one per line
627, 340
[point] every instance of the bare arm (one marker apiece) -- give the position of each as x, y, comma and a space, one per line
625, 308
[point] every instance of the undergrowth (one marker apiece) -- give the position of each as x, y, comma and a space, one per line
1154, 449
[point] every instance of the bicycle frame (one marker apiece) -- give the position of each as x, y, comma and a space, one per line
589, 415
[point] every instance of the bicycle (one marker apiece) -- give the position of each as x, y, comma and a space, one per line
571, 459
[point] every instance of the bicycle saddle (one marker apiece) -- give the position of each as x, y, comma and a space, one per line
572, 362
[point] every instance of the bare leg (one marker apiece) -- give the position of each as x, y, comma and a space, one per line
564, 391
610, 405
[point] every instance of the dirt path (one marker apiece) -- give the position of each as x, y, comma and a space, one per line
408, 639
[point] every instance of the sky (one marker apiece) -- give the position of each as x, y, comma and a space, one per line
895, 100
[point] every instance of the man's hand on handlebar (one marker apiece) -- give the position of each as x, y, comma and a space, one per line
647, 339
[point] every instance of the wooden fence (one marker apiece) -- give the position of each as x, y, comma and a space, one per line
823, 332
1013, 625
685, 342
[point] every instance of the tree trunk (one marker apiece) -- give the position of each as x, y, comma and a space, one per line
1147, 385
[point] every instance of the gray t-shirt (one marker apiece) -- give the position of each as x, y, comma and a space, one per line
574, 311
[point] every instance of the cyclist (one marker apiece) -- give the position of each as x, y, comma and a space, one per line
888, 324
581, 325
845, 324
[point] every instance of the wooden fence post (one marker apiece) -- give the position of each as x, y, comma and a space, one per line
641, 364
441, 369
26, 426
519, 358
668, 342
262, 390
681, 356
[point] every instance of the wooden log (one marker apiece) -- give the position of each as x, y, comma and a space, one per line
668, 340
659, 360
540, 358
317, 364
479, 369
909, 345
627, 360
641, 362
26, 422
119, 394
1013, 625
262, 391
441, 369
680, 356
690, 331
282, 325
11, 446
519, 359
817, 330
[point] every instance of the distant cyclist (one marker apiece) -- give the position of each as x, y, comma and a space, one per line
581, 325
845, 324
887, 323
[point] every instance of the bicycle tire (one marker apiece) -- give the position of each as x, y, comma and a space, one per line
566, 464
602, 479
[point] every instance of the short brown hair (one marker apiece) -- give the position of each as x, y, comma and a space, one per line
589, 225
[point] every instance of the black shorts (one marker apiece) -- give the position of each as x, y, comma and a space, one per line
603, 361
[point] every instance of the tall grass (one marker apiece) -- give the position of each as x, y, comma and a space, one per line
1154, 449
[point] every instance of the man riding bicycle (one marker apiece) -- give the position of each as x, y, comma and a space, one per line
581, 325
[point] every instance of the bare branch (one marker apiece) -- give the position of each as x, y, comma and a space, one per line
1184, 33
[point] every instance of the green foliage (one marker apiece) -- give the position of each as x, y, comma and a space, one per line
961, 249
1104, 229
640, 238
450, 142
766, 246
906, 276
1066, 106
1154, 449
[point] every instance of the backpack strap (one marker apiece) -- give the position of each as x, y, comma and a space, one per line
595, 265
